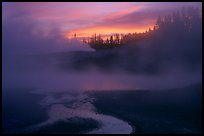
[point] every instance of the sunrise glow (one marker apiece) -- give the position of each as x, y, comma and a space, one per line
102, 68
102, 18
106, 31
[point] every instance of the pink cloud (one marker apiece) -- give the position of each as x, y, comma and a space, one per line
71, 16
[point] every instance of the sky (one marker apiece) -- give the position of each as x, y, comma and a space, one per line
87, 18
42, 27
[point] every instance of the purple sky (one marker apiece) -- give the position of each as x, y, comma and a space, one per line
86, 18
38, 28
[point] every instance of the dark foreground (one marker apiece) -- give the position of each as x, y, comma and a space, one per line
156, 111
165, 111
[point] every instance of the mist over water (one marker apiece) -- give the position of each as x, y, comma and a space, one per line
58, 79
29, 60
39, 72
44, 71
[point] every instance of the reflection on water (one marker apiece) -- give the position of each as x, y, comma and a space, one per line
68, 106
44, 72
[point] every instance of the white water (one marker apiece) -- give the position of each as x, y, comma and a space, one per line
82, 107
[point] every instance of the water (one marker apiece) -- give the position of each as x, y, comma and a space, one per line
63, 106
39, 95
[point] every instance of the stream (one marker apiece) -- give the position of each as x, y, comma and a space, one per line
69, 106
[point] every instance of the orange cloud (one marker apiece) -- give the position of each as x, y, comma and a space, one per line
107, 30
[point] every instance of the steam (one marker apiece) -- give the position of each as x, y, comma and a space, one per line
27, 62
22, 34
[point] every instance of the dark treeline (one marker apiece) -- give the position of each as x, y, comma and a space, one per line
97, 42
178, 39
174, 44
184, 23
116, 40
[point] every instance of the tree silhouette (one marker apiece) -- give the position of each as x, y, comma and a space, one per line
159, 22
107, 41
182, 24
111, 39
